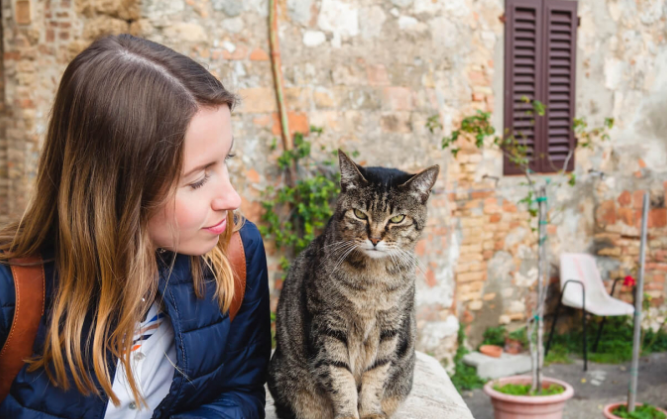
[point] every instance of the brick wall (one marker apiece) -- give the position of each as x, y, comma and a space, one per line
371, 72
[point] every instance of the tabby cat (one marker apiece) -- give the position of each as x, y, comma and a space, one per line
345, 325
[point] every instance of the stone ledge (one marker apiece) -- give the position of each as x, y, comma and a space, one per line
433, 395
505, 366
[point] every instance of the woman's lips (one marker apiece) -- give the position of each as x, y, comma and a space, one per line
218, 228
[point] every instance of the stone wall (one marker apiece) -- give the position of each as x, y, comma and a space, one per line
370, 73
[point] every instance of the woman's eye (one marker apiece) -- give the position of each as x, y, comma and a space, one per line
397, 219
230, 156
360, 214
200, 183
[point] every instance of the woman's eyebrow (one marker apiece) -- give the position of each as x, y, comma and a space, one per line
198, 168
206, 165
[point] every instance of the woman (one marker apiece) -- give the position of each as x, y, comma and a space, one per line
132, 213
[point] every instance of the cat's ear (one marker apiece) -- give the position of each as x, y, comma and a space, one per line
420, 185
350, 176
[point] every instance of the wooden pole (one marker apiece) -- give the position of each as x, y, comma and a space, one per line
276, 67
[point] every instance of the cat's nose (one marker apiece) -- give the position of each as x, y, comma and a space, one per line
375, 241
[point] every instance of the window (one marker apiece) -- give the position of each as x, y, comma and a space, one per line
540, 53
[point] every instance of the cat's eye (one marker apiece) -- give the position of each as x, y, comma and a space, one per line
359, 214
397, 219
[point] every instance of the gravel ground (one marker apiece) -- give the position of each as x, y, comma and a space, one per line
600, 385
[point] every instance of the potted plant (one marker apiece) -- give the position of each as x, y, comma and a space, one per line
527, 396
645, 411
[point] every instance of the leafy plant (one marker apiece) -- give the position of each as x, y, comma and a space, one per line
294, 215
615, 345
645, 411
494, 336
520, 335
465, 376
525, 390
558, 354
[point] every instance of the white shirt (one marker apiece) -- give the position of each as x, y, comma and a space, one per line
153, 359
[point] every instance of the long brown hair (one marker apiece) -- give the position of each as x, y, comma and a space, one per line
112, 154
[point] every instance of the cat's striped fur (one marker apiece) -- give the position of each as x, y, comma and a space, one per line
345, 325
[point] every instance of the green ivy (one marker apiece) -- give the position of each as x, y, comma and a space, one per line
465, 376
294, 215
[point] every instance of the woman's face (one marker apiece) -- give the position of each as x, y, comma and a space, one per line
192, 223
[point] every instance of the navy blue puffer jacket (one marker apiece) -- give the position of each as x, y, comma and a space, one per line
221, 366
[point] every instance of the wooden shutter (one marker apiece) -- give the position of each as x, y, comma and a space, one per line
540, 46
560, 23
523, 47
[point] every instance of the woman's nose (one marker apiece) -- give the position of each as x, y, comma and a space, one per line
227, 199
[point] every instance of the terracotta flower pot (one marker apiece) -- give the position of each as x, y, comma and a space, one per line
513, 346
610, 407
491, 350
506, 406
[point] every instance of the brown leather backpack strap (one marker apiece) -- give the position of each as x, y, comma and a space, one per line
29, 286
236, 257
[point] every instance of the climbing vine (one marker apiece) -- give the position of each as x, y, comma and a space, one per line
295, 212
478, 129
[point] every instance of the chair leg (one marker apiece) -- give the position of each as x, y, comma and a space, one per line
597, 339
553, 327
585, 348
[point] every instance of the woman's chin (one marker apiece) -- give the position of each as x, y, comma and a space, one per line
200, 248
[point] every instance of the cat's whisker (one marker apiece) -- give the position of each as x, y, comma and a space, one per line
342, 259
413, 261
342, 250
339, 243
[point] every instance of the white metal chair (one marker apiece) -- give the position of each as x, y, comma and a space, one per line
586, 292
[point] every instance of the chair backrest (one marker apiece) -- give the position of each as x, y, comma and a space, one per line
581, 267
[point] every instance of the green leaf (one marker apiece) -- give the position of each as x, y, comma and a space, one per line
573, 179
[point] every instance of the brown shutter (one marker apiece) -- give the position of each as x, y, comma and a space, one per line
560, 23
523, 70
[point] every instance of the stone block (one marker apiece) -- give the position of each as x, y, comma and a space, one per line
23, 12
433, 395
638, 199
398, 122
257, 100
314, 38
230, 7
371, 20
625, 199
298, 98
606, 213
657, 218
298, 122
121, 9
398, 98
377, 75
505, 366
626, 215
300, 11
105, 25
